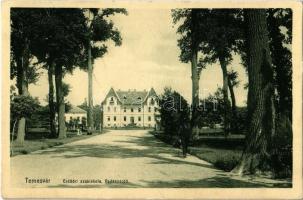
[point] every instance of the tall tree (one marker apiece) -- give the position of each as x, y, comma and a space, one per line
280, 42
21, 55
233, 82
189, 44
51, 104
100, 29
261, 108
223, 28
60, 44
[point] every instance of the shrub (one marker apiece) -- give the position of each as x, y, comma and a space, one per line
43, 147
281, 155
174, 111
226, 162
24, 151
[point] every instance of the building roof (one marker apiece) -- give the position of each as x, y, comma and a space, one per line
76, 110
131, 97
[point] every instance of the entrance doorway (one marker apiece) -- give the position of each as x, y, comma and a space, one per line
132, 120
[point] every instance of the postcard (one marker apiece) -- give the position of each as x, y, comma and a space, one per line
152, 100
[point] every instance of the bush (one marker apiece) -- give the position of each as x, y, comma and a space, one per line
24, 151
174, 111
281, 155
226, 163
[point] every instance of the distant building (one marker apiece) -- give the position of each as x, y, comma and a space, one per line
76, 114
130, 108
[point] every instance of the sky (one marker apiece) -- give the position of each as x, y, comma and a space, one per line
148, 57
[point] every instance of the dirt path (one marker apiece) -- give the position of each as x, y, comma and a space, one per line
132, 155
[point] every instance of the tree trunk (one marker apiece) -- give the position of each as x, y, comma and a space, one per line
225, 95
90, 119
261, 110
233, 106
60, 102
22, 85
194, 72
52, 109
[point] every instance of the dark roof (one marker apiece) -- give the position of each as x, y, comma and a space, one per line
76, 109
131, 97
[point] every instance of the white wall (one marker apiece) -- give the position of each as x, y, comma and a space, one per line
68, 116
110, 112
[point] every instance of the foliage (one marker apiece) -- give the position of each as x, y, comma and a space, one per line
280, 21
241, 122
59, 36
21, 37
233, 77
174, 111
281, 154
226, 163
218, 31
211, 110
100, 29
97, 113
23, 106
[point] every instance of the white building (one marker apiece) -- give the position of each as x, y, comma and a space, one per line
76, 114
130, 108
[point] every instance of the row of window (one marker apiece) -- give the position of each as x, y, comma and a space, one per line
152, 101
132, 109
125, 118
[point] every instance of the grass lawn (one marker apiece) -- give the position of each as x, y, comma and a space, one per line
223, 152
225, 159
37, 142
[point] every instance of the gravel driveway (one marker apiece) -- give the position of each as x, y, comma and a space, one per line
120, 158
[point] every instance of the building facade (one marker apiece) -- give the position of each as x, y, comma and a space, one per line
130, 108
76, 114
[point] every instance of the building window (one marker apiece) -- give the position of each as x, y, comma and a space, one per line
131, 110
152, 101
70, 118
125, 118
115, 109
149, 118
155, 109
111, 102
139, 109
149, 109
108, 118
124, 109
108, 108
139, 119
115, 118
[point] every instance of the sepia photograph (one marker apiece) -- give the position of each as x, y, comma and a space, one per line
151, 97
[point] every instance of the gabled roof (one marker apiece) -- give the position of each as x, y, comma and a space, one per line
131, 97
76, 110
152, 92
